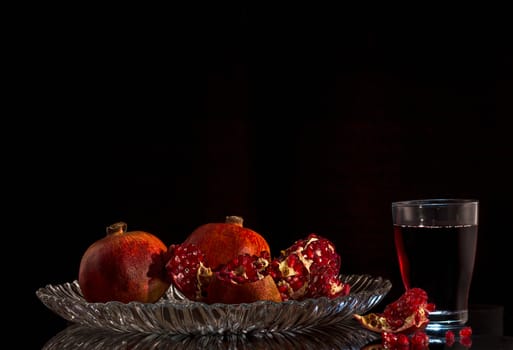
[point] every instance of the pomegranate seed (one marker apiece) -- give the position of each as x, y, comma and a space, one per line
388, 340
466, 341
402, 340
466, 332
466, 336
449, 338
420, 340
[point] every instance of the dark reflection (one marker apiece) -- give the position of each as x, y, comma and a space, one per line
341, 336
476, 342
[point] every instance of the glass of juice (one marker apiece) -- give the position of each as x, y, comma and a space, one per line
436, 242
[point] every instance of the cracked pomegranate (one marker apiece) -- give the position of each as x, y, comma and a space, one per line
309, 269
124, 266
405, 315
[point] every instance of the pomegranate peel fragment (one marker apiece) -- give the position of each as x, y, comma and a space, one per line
405, 315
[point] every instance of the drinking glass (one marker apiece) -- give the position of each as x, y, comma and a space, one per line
436, 242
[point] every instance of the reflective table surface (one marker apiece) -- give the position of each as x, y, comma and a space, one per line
343, 336
347, 335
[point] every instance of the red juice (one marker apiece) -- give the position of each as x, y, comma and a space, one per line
438, 259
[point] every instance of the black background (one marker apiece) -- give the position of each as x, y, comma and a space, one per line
300, 120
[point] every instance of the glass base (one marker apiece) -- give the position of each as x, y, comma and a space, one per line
442, 321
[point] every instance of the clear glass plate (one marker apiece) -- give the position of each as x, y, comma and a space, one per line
177, 315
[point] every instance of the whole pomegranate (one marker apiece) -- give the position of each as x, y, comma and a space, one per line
407, 314
222, 242
124, 266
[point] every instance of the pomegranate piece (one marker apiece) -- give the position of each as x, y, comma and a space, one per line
244, 279
291, 276
188, 271
325, 281
228, 293
405, 315
308, 269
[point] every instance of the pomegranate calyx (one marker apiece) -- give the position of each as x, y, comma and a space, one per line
235, 220
117, 228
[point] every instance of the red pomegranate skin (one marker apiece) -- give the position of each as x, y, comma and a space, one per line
124, 266
222, 242
227, 293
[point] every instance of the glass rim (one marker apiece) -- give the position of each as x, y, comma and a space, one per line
436, 202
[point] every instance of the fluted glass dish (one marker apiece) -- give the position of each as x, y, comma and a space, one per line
175, 314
